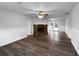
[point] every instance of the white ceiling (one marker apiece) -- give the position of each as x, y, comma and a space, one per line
31, 8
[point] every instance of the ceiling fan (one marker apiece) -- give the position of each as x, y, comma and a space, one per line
40, 14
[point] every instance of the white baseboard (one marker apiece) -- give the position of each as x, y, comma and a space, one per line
75, 46
13, 41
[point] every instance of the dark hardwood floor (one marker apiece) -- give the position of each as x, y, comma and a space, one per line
51, 44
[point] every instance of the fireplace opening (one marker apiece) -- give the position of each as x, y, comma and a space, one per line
40, 28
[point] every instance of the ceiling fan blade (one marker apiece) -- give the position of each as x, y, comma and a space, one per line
53, 11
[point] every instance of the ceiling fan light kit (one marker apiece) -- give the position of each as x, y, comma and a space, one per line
41, 14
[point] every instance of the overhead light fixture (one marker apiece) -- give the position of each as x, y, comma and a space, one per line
41, 14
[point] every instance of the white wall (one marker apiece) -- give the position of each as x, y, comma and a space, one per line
13, 27
39, 21
74, 19
68, 26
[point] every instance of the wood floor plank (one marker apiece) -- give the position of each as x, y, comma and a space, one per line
51, 44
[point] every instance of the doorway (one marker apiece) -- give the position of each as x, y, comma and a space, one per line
53, 26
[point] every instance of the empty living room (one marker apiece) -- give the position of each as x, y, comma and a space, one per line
39, 28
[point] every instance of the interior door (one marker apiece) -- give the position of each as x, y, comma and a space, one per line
53, 26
